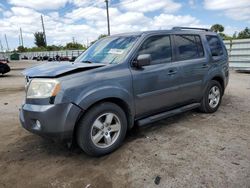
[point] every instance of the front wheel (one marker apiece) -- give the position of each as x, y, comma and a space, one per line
102, 129
212, 98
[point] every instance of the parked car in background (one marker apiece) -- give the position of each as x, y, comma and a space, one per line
4, 67
125, 80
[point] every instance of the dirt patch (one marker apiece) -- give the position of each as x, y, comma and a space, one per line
188, 150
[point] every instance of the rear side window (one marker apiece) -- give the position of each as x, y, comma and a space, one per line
159, 47
215, 45
188, 47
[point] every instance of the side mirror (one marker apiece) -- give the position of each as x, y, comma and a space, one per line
142, 60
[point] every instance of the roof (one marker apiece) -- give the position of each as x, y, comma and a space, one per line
189, 30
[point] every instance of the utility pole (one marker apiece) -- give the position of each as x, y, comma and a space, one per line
44, 35
2, 52
19, 40
7, 44
107, 8
21, 36
1, 46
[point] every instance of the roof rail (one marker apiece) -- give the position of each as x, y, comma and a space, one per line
194, 28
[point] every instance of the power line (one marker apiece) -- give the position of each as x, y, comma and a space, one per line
122, 3
80, 12
85, 12
72, 7
66, 8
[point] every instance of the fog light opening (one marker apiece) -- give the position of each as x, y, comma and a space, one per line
37, 125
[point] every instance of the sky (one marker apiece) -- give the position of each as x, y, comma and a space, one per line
85, 20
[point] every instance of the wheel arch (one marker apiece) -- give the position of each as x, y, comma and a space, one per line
122, 104
221, 81
118, 101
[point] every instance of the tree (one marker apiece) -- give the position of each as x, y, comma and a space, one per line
73, 46
235, 35
217, 28
54, 48
99, 37
244, 34
225, 37
21, 49
102, 36
39, 39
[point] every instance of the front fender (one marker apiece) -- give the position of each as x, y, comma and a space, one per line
105, 92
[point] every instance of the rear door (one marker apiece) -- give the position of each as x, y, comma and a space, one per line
193, 66
219, 55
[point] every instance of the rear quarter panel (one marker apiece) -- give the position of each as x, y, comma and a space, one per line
218, 66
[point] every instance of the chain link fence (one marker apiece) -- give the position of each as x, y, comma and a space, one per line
50, 54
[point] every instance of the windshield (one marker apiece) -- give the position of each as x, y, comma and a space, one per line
110, 50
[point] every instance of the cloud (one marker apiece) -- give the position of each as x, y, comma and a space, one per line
230, 30
1, 7
39, 4
54, 15
7, 13
225, 4
239, 13
85, 23
237, 10
167, 21
192, 3
87, 13
168, 6
59, 30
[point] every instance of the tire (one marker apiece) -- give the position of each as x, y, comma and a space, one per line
101, 122
209, 105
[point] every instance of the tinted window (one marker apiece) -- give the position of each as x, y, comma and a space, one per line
199, 45
158, 47
215, 45
188, 47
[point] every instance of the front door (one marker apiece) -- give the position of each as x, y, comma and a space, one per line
156, 85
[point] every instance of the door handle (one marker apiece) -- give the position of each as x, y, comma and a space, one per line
205, 66
171, 72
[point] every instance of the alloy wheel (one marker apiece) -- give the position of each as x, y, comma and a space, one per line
105, 130
214, 97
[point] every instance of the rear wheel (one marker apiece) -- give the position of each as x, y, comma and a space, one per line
102, 129
212, 98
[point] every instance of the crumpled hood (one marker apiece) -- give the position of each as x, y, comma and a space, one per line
56, 69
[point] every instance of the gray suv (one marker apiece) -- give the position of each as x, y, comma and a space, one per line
122, 81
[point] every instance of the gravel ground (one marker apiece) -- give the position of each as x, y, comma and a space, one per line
188, 150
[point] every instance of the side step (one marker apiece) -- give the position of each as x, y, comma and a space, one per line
166, 114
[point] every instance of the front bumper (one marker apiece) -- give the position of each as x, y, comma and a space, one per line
57, 121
